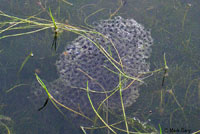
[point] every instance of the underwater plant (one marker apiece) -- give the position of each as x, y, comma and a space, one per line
101, 71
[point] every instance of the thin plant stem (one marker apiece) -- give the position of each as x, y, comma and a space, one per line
122, 103
97, 112
7, 128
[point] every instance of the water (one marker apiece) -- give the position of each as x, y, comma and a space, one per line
174, 26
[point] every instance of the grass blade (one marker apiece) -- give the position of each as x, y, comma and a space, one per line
160, 128
54, 23
49, 95
123, 109
24, 62
97, 112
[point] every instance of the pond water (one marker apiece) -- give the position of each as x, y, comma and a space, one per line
172, 105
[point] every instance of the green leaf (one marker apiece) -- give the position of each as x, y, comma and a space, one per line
54, 23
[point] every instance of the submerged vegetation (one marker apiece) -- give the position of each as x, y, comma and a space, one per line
173, 90
3, 126
6, 123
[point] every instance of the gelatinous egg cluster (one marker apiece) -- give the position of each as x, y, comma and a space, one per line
126, 42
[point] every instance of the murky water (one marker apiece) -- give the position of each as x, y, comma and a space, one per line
174, 27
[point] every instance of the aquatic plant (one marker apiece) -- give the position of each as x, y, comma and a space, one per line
122, 57
5, 124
